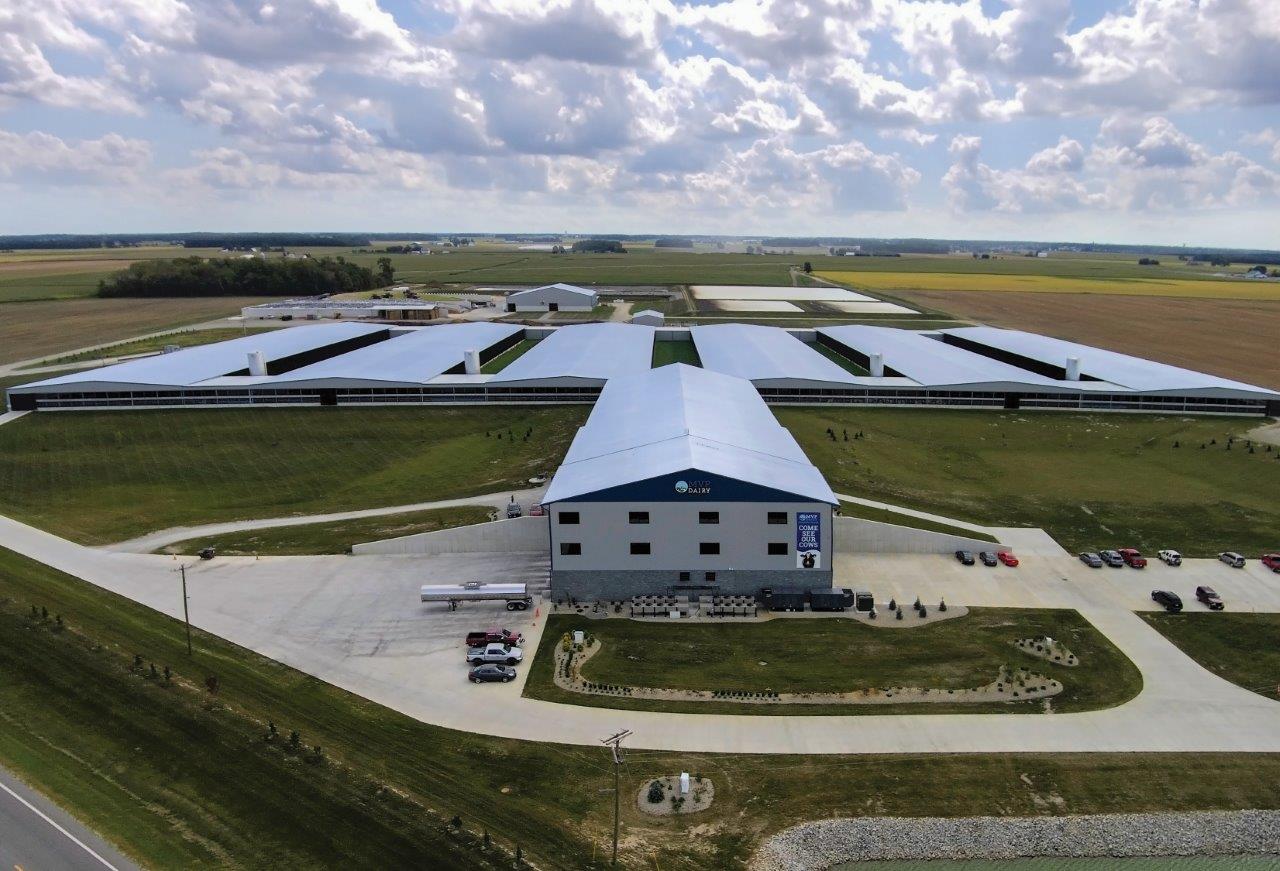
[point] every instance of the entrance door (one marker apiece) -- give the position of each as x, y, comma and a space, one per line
553, 306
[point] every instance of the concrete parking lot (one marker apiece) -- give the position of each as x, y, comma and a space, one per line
357, 622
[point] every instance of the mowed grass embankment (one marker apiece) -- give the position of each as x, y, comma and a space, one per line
35, 330
100, 477
1242, 648
957, 281
178, 777
334, 537
835, 655
1092, 481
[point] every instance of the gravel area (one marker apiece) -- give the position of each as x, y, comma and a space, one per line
819, 845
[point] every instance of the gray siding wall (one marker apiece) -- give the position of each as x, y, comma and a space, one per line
607, 568
539, 301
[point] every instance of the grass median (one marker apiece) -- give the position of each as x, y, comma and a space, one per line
1242, 648
179, 777
100, 477
838, 655
334, 537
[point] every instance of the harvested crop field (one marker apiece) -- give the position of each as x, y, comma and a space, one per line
896, 282
39, 329
1229, 338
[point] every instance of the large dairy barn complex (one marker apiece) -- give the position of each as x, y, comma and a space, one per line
365, 363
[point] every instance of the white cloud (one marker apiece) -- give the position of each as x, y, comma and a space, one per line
38, 156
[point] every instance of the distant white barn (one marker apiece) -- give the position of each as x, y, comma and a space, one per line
553, 298
648, 318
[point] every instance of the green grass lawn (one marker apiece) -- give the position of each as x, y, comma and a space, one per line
155, 344
334, 537
782, 655
177, 779
675, 352
1243, 648
866, 512
507, 357
1092, 481
98, 477
24, 286
839, 359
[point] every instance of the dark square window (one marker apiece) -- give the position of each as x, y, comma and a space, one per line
708, 516
777, 548
570, 548
684, 577
639, 548
569, 517
708, 548
711, 577
778, 518
638, 517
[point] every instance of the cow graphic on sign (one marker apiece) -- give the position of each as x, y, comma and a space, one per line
808, 540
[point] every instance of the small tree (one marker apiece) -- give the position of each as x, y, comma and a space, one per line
808, 267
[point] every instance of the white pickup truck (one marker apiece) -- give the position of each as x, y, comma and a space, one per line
499, 653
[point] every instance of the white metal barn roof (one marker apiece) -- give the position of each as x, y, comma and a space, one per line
190, 366
591, 351
588, 295
414, 357
763, 354
931, 362
1133, 373
681, 417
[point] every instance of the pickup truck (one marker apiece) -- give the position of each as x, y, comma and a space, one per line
1271, 561
494, 636
499, 653
1132, 558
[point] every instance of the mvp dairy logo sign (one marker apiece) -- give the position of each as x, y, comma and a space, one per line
808, 540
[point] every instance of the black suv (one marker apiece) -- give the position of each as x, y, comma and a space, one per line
1210, 598
1170, 601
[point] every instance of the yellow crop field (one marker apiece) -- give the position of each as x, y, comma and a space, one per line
1179, 287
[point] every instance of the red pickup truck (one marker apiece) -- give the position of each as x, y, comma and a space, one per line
494, 635
1132, 558
1271, 561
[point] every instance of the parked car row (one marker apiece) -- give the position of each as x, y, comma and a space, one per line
1172, 603
1128, 556
988, 558
491, 653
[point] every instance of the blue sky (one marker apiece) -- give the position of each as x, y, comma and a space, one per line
1144, 121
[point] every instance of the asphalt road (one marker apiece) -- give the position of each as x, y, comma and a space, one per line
37, 835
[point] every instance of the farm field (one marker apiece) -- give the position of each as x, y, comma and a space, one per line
1241, 648
99, 477
48, 274
334, 537
1059, 264
34, 330
778, 655
1092, 481
156, 344
209, 790
1230, 338
1164, 287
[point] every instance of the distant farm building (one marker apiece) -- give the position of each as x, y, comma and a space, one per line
553, 298
648, 318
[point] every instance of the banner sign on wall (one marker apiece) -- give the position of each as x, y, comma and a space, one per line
808, 540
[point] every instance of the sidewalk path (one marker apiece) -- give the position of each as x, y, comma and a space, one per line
153, 541
356, 622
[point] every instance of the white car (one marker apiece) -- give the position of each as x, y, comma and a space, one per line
1170, 557
501, 654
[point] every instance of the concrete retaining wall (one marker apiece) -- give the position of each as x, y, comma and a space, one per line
854, 535
520, 534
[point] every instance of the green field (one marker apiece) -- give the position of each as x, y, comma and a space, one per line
1092, 481
98, 477
507, 357
1197, 287
1242, 648
866, 512
156, 344
779, 655
178, 779
333, 537
675, 352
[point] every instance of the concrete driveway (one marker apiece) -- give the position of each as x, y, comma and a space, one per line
357, 623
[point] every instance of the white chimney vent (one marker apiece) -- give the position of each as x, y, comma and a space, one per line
257, 363
471, 361
876, 365
1073, 368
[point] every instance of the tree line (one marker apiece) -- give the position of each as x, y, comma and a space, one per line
195, 276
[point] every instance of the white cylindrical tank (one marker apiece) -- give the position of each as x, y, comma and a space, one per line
1073, 368
257, 363
684, 783
876, 365
471, 361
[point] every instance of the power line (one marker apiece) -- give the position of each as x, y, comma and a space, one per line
614, 742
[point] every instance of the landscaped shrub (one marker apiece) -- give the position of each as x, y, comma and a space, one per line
655, 793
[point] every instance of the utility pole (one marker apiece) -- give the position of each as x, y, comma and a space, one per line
186, 613
614, 743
